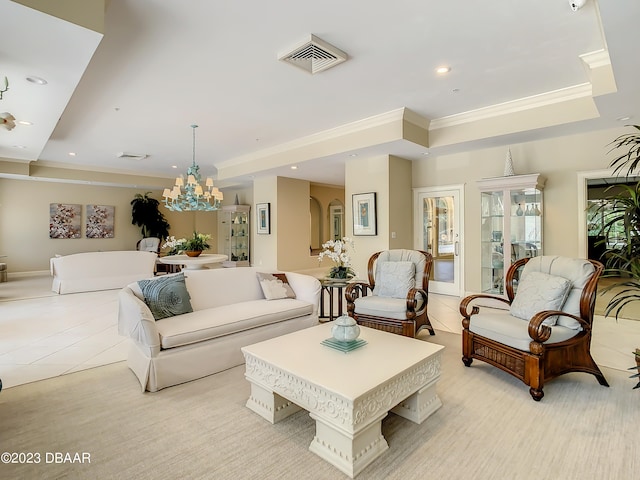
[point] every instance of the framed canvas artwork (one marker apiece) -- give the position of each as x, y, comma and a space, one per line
65, 220
264, 218
364, 214
100, 221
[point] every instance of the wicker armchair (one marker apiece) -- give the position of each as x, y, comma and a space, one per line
543, 343
399, 305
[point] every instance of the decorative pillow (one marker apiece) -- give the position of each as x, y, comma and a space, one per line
394, 279
166, 296
538, 291
275, 286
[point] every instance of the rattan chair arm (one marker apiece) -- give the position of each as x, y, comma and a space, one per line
464, 304
355, 290
540, 332
412, 301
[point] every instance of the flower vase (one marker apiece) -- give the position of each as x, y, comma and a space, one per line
340, 273
193, 253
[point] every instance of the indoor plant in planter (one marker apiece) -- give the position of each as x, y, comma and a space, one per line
146, 214
336, 250
196, 244
192, 247
622, 257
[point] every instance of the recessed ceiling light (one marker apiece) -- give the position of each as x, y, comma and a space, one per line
623, 119
294, 167
37, 80
425, 153
353, 155
19, 146
442, 70
174, 166
24, 122
72, 154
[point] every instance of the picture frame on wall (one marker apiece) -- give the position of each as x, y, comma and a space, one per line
263, 218
65, 220
100, 221
364, 214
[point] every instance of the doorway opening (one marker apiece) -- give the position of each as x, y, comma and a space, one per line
599, 207
437, 230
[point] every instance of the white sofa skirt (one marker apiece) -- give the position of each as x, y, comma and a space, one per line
183, 364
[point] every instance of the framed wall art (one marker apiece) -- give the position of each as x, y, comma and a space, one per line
65, 220
100, 221
264, 218
364, 214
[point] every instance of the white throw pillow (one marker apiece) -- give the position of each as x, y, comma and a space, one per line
275, 286
538, 291
394, 279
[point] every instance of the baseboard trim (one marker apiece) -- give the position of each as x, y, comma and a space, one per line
36, 273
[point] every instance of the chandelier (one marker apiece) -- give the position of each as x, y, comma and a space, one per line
7, 120
193, 197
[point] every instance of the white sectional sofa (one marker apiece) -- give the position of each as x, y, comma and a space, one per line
91, 271
230, 311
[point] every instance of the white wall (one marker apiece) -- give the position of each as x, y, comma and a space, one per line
24, 204
400, 203
265, 190
294, 225
558, 159
24, 221
365, 175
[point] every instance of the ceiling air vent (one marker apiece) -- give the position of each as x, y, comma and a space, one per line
136, 156
313, 55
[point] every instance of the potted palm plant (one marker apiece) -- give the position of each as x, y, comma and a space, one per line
622, 253
146, 214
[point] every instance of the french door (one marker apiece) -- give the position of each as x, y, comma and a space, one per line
438, 230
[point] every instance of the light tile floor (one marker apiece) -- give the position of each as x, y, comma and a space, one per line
43, 334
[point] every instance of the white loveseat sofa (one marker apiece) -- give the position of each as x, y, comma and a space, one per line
91, 271
230, 311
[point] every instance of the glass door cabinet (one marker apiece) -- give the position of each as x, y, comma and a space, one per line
512, 219
235, 228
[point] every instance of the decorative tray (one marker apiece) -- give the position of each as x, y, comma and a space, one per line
344, 346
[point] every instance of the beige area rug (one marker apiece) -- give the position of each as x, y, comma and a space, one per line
630, 311
488, 428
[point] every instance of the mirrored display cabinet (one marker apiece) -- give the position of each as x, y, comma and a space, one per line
235, 229
512, 219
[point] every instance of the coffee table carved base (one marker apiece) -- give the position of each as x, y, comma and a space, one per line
348, 432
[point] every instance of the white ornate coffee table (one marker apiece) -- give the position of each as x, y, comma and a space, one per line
347, 394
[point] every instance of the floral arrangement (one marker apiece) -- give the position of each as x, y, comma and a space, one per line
336, 250
196, 243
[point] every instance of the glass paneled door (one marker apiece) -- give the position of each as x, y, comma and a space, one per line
438, 220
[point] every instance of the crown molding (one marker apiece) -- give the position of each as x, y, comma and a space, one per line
326, 135
523, 104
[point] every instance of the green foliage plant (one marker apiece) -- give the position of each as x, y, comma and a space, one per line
146, 214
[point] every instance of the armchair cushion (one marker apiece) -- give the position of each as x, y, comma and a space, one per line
388, 307
394, 279
149, 244
512, 331
538, 291
577, 270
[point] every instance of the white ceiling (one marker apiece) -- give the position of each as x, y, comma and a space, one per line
162, 66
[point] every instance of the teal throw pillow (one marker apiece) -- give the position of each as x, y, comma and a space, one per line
166, 296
